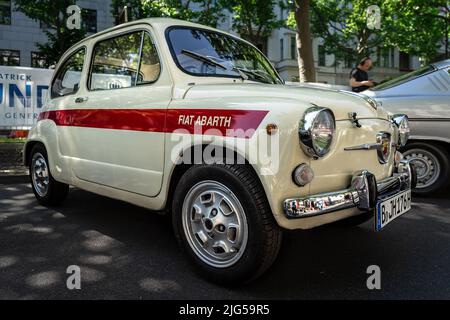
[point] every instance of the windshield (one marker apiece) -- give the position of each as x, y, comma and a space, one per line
404, 78
207, 53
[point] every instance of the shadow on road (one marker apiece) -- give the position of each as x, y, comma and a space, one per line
127, 252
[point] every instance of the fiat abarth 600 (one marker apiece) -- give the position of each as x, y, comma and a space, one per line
188, 120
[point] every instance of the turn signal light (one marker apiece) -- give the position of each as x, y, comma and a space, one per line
302, 175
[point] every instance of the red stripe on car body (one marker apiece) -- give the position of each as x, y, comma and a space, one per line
219, 122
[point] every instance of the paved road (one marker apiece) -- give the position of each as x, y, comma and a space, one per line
129, 253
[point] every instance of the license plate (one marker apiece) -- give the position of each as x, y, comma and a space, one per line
390, 209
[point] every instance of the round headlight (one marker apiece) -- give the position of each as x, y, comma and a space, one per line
402, 123
316, 131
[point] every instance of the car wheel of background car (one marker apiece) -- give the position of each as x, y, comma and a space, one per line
224, 223
356, 220
47, 190
432, 166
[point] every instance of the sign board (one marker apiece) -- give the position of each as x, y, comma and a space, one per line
22, 94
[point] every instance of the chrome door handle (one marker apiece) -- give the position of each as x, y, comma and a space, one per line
81, 99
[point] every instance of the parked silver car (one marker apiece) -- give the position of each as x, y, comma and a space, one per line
424, 95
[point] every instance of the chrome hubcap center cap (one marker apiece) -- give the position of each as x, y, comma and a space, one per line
214, 223
40, 174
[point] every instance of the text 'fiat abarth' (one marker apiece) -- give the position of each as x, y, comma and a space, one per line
196, 123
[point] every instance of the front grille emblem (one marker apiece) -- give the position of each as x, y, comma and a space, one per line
384, 140
383, 146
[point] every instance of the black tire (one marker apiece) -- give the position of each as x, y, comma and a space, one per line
441, 156
264, 235
56, 192
356, 220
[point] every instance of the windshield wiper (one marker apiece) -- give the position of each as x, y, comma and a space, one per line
255, 74
203, 58
243, 72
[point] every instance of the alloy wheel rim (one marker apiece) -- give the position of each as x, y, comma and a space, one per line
40, 174
427, 166
215, 224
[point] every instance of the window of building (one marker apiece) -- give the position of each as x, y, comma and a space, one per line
349, 62
37, 60
386, 57
404, 63
5, 12
392, 57
9, 57
124, 61
281, 49
67, 80
293, 47
322, 56
89, 20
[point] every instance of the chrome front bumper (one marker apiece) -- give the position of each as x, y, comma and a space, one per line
363, 193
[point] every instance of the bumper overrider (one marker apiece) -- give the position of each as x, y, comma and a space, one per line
363, 193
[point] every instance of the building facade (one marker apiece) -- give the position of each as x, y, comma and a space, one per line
19, 35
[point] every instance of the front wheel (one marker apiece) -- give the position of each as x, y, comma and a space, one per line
432, 166
223, 221
47, 190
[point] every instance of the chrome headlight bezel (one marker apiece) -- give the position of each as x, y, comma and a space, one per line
308, 131
402, 123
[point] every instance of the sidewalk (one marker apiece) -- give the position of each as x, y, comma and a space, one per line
13, 171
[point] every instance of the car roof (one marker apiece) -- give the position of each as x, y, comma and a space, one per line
156, 22
441, 64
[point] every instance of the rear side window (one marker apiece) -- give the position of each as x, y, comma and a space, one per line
124, 61
67, 79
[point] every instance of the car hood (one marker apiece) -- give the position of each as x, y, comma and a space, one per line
340, 102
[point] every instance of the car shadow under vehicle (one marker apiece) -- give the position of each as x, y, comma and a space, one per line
127, 252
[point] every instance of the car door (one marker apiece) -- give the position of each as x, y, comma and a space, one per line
118, 133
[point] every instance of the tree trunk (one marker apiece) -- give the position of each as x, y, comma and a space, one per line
307, 72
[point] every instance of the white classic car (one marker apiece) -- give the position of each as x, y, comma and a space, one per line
186, 119
424, 95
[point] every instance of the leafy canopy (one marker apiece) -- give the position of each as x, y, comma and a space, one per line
343, 26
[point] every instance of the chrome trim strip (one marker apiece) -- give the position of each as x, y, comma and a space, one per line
430, 119
362, 194
365, 146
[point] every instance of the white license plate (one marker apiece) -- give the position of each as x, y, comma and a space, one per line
390, 209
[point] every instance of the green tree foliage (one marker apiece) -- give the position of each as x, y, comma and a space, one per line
421, 24
254, 19
208, 12
52, 14
414, 26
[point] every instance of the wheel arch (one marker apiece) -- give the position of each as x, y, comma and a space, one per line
29, 145
441, 143
181, 168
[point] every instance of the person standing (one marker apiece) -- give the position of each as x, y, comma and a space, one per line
359, 79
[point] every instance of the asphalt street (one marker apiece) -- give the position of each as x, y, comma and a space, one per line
126, 252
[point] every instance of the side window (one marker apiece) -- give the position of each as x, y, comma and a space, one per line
67, 79
150, 67
120, 63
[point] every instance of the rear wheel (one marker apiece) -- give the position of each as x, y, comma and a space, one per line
432, 166
223, 222
47, 190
